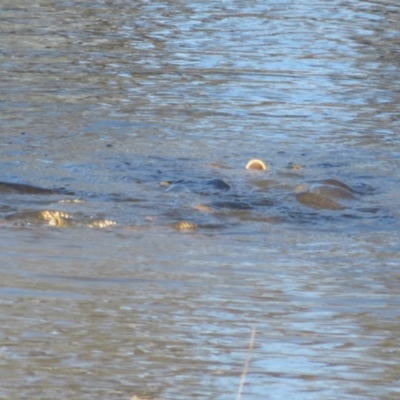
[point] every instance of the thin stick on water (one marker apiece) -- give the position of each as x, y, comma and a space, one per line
246, 364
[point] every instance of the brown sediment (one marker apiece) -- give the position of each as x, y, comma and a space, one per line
217, 165
300, 188
203, 208
315, 200
56, 218
294, 166
256, 164
99, 223
50, 217
297, 166
165, 183
184, 225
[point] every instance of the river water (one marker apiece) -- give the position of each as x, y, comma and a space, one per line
107, 99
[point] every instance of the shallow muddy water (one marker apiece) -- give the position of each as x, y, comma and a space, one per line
106, 100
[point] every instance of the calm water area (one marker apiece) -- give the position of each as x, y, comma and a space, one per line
107, 99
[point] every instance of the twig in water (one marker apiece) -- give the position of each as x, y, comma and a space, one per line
246, 364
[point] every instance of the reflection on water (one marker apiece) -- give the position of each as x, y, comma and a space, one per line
102, 101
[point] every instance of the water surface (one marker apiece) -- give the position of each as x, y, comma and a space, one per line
107, 100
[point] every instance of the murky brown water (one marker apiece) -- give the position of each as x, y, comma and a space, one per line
108, 99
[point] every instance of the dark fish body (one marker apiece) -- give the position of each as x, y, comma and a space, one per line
315, 200
330, 191
335, 182
218, 183
7, 187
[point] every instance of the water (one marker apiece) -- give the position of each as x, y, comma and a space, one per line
108, 99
